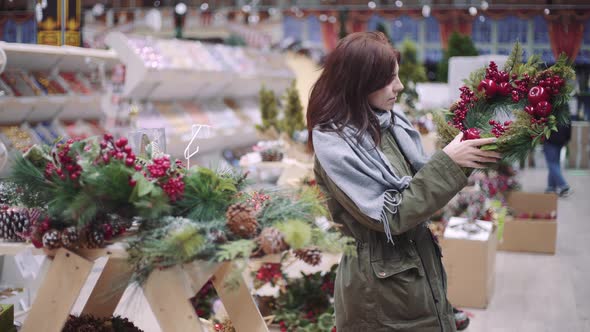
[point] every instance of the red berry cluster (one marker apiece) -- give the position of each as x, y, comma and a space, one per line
269, 272
495, 82
160, 167
68, 165
39, 228
498, 129
522, 87
552, 83
174, 187
468, 98
257, 200
118, 149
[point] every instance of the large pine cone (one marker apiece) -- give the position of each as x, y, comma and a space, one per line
241, 221
271, 241
13, 224
310, 256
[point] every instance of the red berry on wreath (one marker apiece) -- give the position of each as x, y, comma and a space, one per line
121, 142
489, 86
530, 109
503, 76
538, 94
471, 133
543, 109
504, 88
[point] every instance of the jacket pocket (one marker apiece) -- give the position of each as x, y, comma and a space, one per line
401, 291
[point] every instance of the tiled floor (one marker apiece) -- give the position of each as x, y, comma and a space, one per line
544, 293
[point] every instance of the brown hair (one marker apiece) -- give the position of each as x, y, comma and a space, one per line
362, 63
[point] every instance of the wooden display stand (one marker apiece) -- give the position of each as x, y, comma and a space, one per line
167, 291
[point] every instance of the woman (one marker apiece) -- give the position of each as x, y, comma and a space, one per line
370, 164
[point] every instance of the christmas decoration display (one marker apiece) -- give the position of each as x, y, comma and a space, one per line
268, 109
304, 303
521, 105
89, 323
271, 154
293, 120
203, 300
269, 273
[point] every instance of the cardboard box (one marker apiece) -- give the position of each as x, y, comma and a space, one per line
531, 235
471, 269
579, 145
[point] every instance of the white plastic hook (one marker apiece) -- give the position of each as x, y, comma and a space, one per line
195, 130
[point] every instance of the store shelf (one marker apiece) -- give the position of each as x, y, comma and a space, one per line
63, 58
15, 110
181, 70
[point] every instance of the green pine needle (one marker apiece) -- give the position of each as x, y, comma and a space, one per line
297, 233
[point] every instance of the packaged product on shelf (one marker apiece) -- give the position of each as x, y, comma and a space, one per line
149, 117
202, 58
43, 134
178, 120
75, 83
97, 128
77, 129
148, 52
18, 137
176, 54
50, 84
17, 84
250, 108
194, 110
5, 90
220, 115
55, 129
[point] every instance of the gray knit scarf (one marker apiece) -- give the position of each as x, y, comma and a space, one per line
364, 173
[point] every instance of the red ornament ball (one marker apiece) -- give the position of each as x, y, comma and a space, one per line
543, 109
489, 86
538, 94
471, 133
504, 88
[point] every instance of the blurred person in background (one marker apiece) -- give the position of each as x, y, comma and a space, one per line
552, 149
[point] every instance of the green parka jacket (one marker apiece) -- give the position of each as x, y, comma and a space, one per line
400, 286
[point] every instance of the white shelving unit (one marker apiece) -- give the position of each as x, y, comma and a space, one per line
171, 71
53, 59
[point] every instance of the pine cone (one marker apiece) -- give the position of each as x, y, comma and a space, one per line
271, 241
217, 236
52, 239
312, 257
271, 155
69, 237
94, 238
241, 221
13, 224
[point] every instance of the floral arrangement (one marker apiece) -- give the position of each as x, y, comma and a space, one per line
84, 192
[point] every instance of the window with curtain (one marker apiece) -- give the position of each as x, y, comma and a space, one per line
482, 30
9, 34
541, 34
432, 30
314, 29
29, 31
404, 27
374, 22
546, 54
292, 27
586, 34
511, 29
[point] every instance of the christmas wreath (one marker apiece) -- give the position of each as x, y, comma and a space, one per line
521, 105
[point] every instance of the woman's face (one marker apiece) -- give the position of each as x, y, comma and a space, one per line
385, 97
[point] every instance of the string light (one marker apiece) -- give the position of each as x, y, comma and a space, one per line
372, 5
472, 11
204, 6
426, 10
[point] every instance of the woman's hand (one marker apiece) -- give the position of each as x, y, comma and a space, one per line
468, 154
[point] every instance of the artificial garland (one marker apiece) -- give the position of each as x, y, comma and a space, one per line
520, 105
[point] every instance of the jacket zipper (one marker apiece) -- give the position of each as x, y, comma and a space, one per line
431, 289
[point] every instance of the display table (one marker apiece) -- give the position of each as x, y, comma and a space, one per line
167, 291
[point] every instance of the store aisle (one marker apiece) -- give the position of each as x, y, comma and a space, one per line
544, 293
